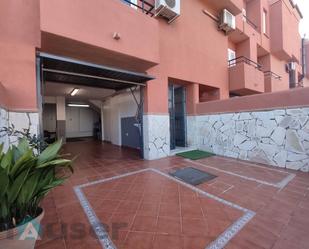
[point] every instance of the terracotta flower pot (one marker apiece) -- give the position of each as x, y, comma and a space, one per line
21, 237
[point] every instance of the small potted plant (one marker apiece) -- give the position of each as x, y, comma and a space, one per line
26, 177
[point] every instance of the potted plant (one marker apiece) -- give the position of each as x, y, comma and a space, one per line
26, 177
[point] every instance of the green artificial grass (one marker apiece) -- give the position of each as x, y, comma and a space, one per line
195, 154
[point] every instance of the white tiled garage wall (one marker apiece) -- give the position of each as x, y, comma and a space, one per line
80, 121
114, 109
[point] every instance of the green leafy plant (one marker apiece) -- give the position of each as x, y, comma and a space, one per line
34, 141
26, 178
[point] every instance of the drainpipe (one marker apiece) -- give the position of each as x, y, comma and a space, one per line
303, 62
292, 74
303, 57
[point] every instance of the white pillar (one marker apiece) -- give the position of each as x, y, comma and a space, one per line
102, 121
61, 119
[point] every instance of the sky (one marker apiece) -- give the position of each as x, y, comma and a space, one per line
304, 24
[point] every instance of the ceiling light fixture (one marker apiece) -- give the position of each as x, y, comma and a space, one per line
74, 92
78, 105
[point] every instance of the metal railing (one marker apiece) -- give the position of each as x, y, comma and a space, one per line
252, 24
272, 75
243, 59
299, 84
142, 5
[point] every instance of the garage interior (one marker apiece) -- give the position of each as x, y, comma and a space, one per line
83, 101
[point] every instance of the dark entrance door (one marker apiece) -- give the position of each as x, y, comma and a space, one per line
130, 135
177, 111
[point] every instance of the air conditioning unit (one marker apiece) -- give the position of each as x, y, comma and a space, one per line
291, 66
227, 21
168, 9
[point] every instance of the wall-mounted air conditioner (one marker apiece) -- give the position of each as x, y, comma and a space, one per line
168, 9
227, 21
291, 66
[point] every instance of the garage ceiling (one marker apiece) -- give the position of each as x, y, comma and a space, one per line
84, 93
70, 71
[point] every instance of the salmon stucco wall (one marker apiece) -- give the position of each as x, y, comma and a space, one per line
90, 26
191, 50
293, 98
3, 96
279, 67
285, 38
20, 36
19, 39
18, 75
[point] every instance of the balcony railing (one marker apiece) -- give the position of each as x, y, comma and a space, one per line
245, 76
243, 59
299, 84
145, 6
272, 75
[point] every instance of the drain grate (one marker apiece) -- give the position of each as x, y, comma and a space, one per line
192, 176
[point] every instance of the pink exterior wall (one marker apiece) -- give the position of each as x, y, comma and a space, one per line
245, 28
264, 41
273, 64
231, 45
254, 44
247, 48
200, 57
246, 79
18, 76
192, 98
279, 67
257, 45
20, 36
265, 61
234, 6
20, 22
156, 93
190, 50
285, 39
291, 98
92, 23
254, 10
3, 97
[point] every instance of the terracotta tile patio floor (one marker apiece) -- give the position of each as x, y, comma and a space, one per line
150, 210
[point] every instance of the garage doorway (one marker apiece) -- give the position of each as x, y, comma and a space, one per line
49, 122
81, 91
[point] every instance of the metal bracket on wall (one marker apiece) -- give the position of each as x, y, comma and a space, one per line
138, 115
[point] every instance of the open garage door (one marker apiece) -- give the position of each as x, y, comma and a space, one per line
60, 74
62, 69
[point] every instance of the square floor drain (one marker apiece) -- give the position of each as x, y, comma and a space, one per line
192, 176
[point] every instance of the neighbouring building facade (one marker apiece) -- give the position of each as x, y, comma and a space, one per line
187, 61
305, 59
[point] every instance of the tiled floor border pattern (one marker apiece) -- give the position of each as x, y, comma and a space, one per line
279, 185
107, 243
